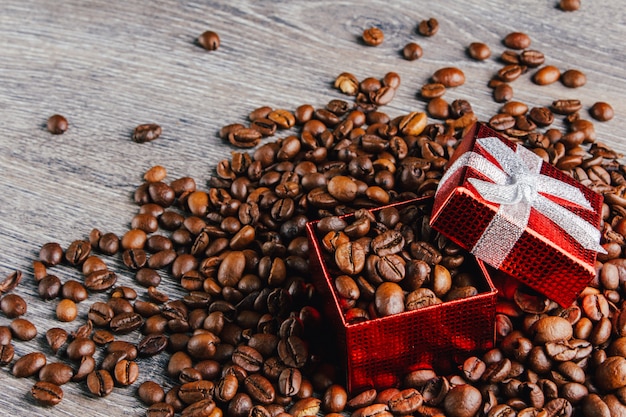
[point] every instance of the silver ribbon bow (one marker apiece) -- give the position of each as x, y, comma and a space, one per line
517, 187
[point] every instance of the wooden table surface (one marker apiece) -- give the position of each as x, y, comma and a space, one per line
109, 65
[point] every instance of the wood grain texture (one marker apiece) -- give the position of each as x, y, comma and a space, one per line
109, 65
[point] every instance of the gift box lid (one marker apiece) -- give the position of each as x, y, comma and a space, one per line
519, 214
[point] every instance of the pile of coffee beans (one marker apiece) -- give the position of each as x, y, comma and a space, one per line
246, 336
389, 261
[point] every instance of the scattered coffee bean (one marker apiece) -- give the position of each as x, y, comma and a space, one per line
66, 310
569, 5
428, 27
13, 305
449, 77
517, 40
373, 36
23, 329
146, 133
47, 393
412, 51
546, 75
29, 364
601, 111
479, 51
57, 124
209, 40
100, 383
573, 78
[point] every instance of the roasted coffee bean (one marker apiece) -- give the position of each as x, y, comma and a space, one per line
7, 352
100, 313
531, 58
151, 393
573, 78
259, 388
510, 57
47, 393
109, 243
391, 80
102, 337
412, 51
74, 291
100, 280
203, 408
57, 124
209, 40
542, 116
569, 6
85, 367
152, 344
160, 409
479, 51
432, 90
202, 345
146, 132
516, 40
568, 106
51, 254
438, 108
248, 358
29, 364
155, 173
226, 388
77, 252
546, 75
79, 347
289, 382
502, 122
5, 335
510, 72
56, 372
100, 383
601, 111
502, 93
460, 107
293, 351
195, 391
125, 322
134, 258
66, 310
23, 329
428, 27
421, 297
13, 279
56, 337
449, 77
389, 299
126, 372
405, 402
462, 401
49, 287
334, 399
373, 36
350, 257
347, 83
13, 305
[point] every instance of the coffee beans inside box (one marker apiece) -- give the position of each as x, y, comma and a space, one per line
401, 296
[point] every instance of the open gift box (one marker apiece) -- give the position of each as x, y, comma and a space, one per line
380, 351
519, 214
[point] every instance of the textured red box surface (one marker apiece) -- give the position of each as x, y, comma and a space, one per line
377, 353
545, 257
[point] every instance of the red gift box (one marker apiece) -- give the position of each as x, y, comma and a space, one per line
520, 215
379, 352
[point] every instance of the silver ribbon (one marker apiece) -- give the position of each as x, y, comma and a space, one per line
517, 187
